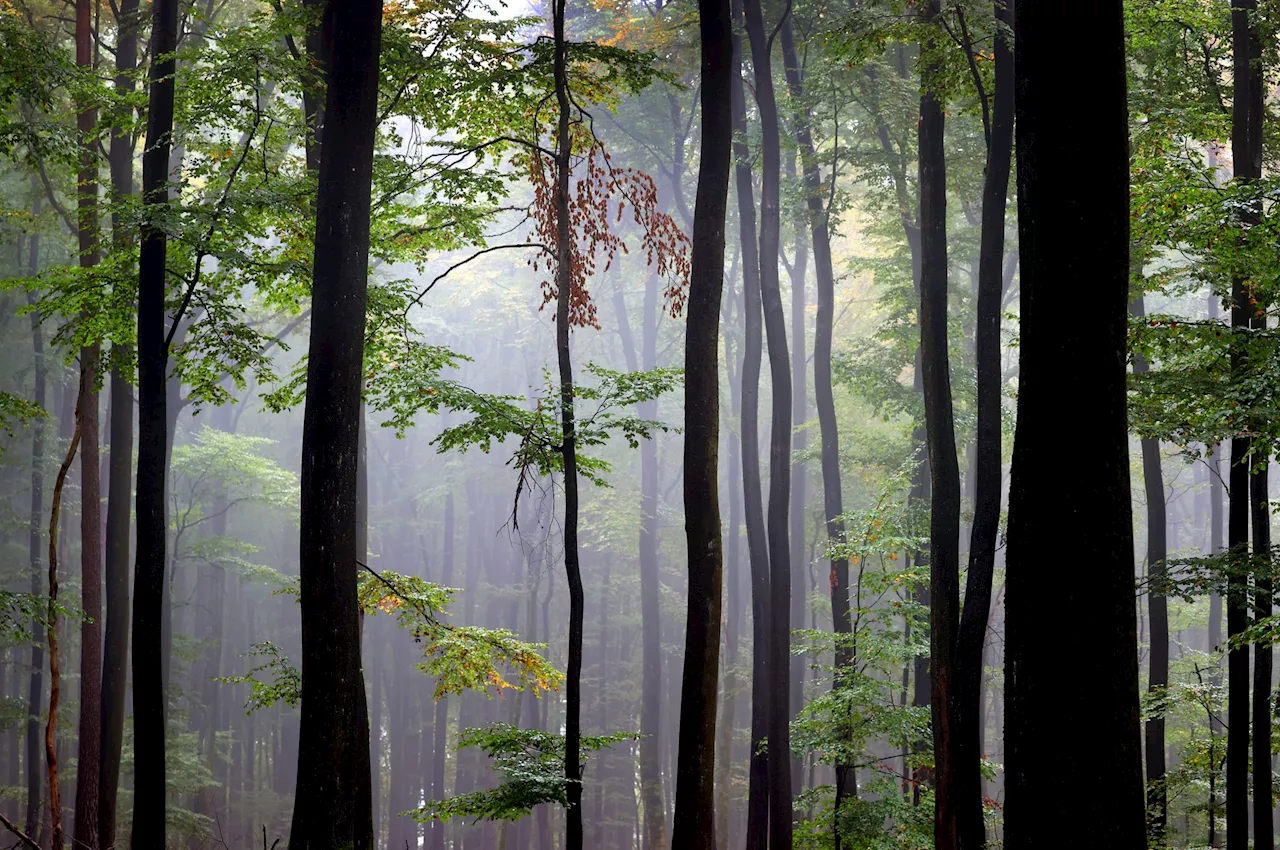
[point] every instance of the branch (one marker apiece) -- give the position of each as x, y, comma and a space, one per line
22, 836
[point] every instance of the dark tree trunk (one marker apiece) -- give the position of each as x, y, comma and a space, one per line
985, 531
828, 429
798, 273
1259, 497
940, 439
1246, 146
694, 825
333, 760
779, 640
753, 513
149, 706
1158, 617
90, 727
1072, 141
568, 447
35, 687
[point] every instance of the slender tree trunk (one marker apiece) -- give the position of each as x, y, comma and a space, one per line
1246, 146
333, 761
1263, 825
985, 531
655, 827
149, 571
55, 662
694, 826
824, 274
944, 525
779, 750
568, 449
799, 412
441, 725
726, 752
1072, 141
1158, 616
757, 537
90, 726
35, 689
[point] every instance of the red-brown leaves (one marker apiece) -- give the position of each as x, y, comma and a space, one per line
665, 246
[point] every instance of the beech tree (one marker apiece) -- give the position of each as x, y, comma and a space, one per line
1067, 199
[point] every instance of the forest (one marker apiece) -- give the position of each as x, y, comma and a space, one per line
639, 424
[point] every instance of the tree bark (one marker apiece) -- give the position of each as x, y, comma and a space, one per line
985, 531
824, 398
694, 825
1158, 618
568, 448
1073, 166
1246, 147
90, 726
940, 439
149, 702
115, 659
779, 732
753, 504
35, 688
333, 761
1263, 808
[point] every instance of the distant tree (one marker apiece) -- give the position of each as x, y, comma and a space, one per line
1073, 177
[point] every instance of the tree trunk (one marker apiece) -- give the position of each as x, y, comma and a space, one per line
90, 727
694, 825
1072, 141
1263, 825
799, 412
333, 760
35, 689
149, 704
985, 531
1246, 146
828, 428
650, 744
1157, 615
940, 439
568, 449
753, 512
779, 643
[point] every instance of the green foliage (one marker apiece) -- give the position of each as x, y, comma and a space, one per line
531, 764
458, 657
283, 686
498, 418
15, 413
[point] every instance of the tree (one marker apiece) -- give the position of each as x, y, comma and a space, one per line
90, 732
1158, 614
944, 468
149, 707
694, 825
1072, 191
1246, 149
757, 537
779, 637
115, 653
333, 755
998, 111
